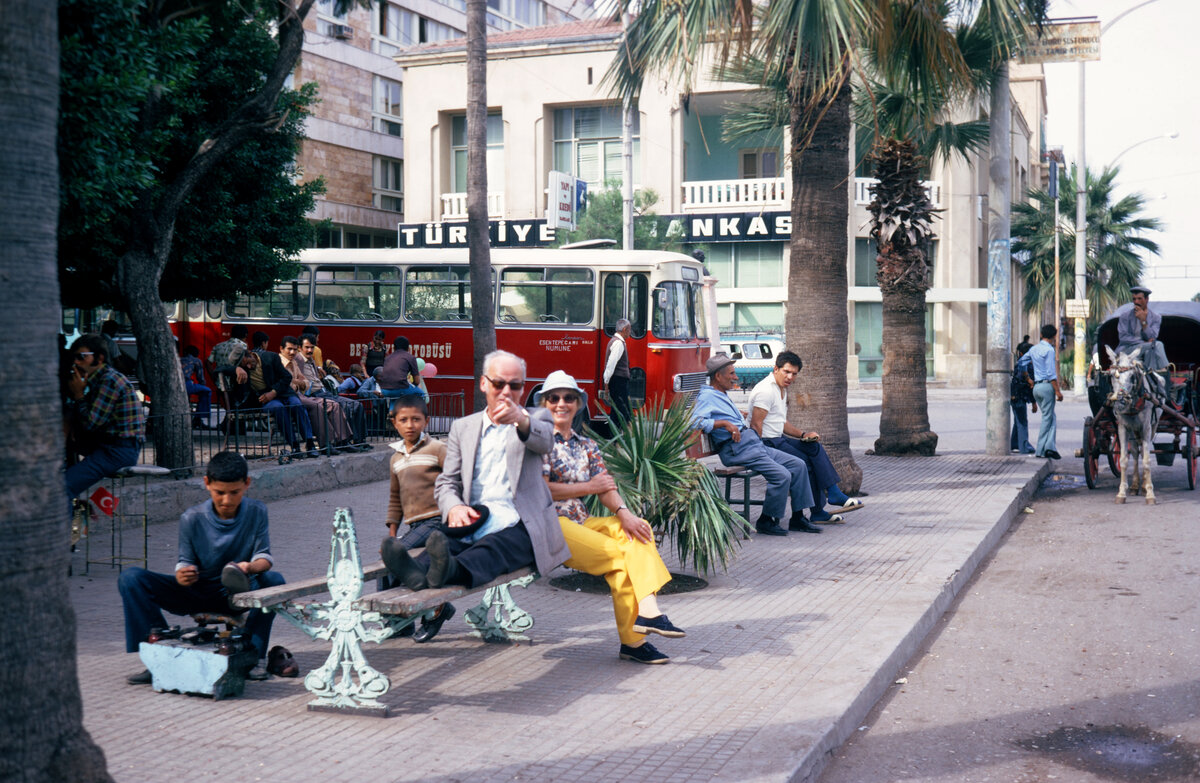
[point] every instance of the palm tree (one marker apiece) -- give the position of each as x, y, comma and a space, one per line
1116, 242
41, 723
478, 244
811, 47
905, 117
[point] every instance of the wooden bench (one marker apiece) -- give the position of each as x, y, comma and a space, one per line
730, 473
347, 616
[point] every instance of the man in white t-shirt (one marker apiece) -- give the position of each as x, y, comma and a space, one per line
768, 417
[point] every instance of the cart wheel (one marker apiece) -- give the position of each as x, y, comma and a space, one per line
1191, 457
1091, 453
1114, 457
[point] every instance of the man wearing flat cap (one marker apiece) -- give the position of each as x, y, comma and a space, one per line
1138, 328
738, 444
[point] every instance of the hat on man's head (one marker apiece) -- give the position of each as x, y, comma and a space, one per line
560, 380
1139, 289
716, 363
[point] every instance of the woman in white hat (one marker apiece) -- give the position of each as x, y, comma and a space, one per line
621, 547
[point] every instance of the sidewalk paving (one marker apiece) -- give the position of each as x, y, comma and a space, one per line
785, 655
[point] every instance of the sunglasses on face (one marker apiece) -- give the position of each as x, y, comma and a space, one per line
499, 385
82, 356
555, 399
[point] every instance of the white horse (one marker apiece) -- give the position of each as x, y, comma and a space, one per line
1136, 405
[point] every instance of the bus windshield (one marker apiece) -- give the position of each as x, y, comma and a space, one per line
674, 311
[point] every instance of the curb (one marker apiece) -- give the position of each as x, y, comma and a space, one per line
809, 767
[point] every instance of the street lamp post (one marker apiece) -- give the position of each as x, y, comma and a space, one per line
1081, 210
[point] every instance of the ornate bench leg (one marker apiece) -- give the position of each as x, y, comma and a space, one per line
498, 618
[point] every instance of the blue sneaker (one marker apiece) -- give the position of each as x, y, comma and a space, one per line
644, 653
659, 625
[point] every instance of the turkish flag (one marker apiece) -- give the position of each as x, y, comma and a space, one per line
105, 501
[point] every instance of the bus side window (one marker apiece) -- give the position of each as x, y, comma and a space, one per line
531, 296
639, 304
613, 306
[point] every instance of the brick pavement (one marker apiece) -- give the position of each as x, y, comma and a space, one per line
785, 654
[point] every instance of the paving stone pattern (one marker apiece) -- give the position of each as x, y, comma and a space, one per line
785, 654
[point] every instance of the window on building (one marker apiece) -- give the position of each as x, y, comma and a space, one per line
865, 265
508, 14
438, 293
357, 293
331, 23
758, 163
397, 27
288, 300
758, 317
747, 264
495, 152
387, 112
587, 143
388, 191
868, 339
350, 237
531, 296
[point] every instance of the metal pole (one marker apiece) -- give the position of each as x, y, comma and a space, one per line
1078, 386
627, 160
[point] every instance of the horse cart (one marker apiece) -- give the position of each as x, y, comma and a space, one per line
1176, 432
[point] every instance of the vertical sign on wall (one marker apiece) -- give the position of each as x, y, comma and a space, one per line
561, 210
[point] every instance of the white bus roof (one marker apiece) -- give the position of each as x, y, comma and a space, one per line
504, 256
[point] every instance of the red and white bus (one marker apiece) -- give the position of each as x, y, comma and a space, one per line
554, 308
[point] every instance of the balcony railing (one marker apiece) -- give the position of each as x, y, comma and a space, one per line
862, 191
454, 206
714, 193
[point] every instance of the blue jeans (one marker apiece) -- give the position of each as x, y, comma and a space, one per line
203, 398
284, 420
1019, 440
821, 473
786, 475
1043, 394
104, 461
145, 594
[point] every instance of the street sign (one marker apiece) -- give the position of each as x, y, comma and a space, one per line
1077, 308
561, 211
1063, 42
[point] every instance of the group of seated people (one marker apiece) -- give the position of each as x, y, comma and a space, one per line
505, 491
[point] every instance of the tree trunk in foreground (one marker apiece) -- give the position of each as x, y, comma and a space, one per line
817, 325
41, 715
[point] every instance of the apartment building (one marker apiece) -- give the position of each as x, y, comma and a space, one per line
355, 137
550, 111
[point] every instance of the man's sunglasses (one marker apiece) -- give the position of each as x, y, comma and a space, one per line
555, 399
499, 385
83, 355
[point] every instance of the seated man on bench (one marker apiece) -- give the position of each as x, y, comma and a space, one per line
224, 548
493, 463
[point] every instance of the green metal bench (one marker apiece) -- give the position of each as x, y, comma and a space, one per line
730, 473
347, 617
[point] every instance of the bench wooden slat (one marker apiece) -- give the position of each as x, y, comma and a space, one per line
273, 596
405, 603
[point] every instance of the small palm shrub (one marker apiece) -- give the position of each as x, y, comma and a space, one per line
677, 495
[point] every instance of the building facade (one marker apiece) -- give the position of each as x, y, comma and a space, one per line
550, 110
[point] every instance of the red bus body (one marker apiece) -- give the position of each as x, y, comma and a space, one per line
554, 308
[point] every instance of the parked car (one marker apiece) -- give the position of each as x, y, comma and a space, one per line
753, 355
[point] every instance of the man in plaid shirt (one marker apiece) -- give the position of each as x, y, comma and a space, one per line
107, 424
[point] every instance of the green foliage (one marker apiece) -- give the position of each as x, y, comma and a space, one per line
141, 93
1117, 238
675, 493
602, 220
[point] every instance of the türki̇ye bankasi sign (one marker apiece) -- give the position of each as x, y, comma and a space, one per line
690, 229
1063, 42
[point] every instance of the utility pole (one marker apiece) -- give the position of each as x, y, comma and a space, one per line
627, 160
998, 359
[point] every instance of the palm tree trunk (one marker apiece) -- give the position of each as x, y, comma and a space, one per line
817, 324
903, 280
479, 249
41, 715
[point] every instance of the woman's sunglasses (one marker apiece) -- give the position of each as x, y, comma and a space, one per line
555, 399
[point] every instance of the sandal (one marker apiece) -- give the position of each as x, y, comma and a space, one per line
851, 504
281, 663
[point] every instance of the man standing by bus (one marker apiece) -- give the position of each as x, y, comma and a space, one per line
616, 372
